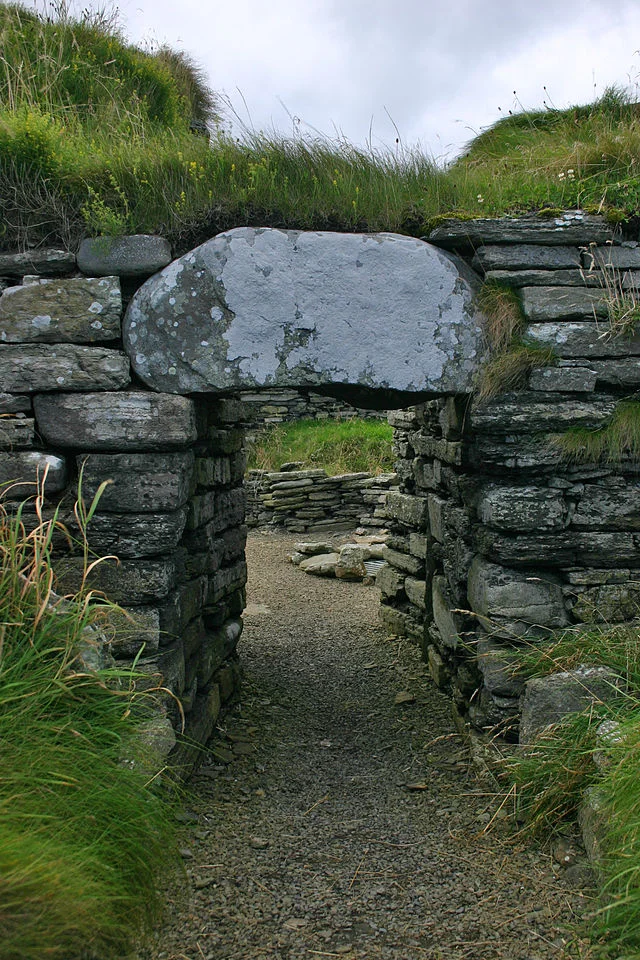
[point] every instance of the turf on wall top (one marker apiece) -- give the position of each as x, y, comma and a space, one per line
98, 136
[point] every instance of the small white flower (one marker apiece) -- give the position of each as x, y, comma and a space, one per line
480, 198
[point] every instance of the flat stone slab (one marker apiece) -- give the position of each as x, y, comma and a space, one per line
526, 256
26, 368
46, 262
116, 421
261, 307
569, 227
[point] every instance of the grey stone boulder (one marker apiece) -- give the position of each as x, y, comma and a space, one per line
547, 700
139, 255
322, 565
259, 307
61, 311
513, 604
350, 564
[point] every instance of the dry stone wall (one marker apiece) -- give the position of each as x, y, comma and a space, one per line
496, 541
309, 501
173, 512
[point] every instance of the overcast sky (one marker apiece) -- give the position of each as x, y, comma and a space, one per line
437, 70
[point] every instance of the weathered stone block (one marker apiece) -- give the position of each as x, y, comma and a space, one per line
623, 372
542, 278
605, 603
133, 630
437, 507
141, 482
44, 367
547, 700
16, 433
411, 511
21, 470
570, 227
513, 604
136, 535
116, 421
448, 623
129, 582
526, 256
521, 508
608, 257
566, 548
390, 582
418, 545
12, 403
217, 648
167, 668
542, 304
582, 338
62, 311
499, 665
512, 414
565, 379
402, 561
608, 505
416, 591
139, 255
44, 261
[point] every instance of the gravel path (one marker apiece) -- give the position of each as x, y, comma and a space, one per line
333, 820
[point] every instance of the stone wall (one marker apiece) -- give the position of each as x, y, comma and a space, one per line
174, 508
496, 540
306, 501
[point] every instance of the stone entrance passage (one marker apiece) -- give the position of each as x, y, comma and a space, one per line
495, 538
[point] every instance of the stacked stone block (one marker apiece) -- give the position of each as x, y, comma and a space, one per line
521, 543
172, 510
306, 501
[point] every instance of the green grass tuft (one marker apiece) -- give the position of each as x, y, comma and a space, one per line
338, 446
83, 836
617, 440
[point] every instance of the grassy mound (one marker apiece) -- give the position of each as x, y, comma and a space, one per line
338, 446
95, 137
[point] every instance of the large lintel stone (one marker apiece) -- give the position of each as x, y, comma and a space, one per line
261, 307
116, 421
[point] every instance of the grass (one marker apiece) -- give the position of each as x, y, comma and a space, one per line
83, 835
95, 137
347, 446
577, 757
617, 440
511, 359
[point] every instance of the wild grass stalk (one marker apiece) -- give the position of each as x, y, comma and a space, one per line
83, 836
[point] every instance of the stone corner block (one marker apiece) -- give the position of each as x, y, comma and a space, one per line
513, 603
